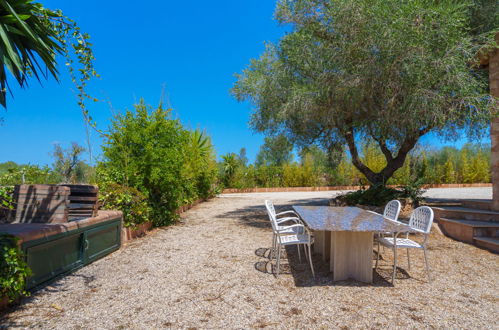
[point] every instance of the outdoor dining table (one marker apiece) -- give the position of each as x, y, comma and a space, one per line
344, 235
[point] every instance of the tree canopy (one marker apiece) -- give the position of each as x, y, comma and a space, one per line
352, 70
275, 151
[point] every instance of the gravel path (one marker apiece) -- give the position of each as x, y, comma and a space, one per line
208, 272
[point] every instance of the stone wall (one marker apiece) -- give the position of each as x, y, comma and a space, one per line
334, 188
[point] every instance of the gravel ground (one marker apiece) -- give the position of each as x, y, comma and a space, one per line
210, 271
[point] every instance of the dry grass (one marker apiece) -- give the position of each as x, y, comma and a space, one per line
211, 272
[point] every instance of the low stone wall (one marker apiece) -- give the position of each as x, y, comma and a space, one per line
334, 188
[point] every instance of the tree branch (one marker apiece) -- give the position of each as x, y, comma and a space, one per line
349, 137
384, 149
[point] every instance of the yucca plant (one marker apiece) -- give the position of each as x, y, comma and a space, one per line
28, 43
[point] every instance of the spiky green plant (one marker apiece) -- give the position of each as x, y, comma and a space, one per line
26, 42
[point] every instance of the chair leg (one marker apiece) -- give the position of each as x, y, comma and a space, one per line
278, 259
310, 260
394, 263
299, 253
408, 260
377, 257
426, 262
272, 249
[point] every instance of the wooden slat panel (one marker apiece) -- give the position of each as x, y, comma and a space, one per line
82, 198
80, 206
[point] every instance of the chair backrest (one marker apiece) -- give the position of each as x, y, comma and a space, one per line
392, 210
271, 213
422, 218
270, 207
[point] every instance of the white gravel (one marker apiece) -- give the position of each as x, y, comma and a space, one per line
207, 272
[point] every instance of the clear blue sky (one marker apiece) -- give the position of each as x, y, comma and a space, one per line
192, 48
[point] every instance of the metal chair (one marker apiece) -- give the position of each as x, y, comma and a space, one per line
295, 234
420, 222
271, 209
279, 223
391, 212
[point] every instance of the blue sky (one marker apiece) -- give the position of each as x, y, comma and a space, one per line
190, 48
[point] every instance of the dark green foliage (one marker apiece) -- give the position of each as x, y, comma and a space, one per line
148, 150
275, 151
386, 72
379, 195
375, 195
6, 201
484, 16
129, 200
5, 167
414, 191
28, 174
13, 268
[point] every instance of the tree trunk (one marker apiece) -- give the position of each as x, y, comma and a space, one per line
392, 163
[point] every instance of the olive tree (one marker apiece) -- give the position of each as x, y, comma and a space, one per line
353, 70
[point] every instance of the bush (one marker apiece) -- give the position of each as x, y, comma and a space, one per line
148, 150
130, 201
28, 174
379, 195
376, 196
13, 269
6, 201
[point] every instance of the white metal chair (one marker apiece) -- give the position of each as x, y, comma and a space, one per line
420, 222
295, 234
271, 209
279, 223
391, 212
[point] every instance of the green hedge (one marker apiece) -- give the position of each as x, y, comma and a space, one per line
146, 149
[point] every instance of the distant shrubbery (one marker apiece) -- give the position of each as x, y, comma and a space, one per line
470, 164
155, 155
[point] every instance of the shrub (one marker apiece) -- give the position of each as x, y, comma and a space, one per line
6, 201
148, 150
130, 201
28, 174
13, 269
379, 195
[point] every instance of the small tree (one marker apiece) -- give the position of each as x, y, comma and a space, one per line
275, 151
68, 164
385, 71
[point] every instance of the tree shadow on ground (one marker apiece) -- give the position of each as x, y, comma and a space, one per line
256, 215
302, 275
